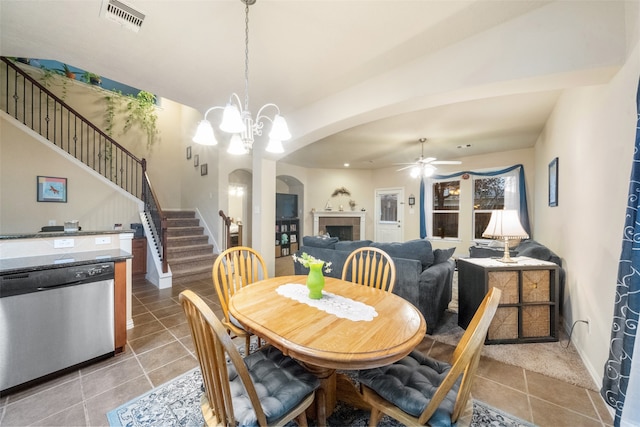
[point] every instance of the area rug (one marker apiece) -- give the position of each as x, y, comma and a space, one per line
177, 404
558, 359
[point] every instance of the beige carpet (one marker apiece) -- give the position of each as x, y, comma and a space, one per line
553, 359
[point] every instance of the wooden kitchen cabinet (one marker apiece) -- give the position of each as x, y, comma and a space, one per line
139, 252
528, 310
120, 305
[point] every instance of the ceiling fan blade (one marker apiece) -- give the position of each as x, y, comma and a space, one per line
406, 167
426, 160
402, 164
446, 162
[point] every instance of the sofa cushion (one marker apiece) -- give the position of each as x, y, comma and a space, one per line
418, 249
351, 245
320, 241
532, 249
441, 255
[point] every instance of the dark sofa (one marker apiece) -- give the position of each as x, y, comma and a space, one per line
423, 276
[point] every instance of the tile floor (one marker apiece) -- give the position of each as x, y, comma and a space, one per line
159, 349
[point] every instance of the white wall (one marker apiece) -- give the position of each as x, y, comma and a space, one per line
592, 132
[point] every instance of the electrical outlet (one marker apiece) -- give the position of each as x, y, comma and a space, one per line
63, 243
52, 222
588, 326
103, 240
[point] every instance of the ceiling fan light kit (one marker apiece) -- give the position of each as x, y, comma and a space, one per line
423, 166
237, 119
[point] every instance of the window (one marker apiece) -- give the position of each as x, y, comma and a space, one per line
446, 209
389, 208
488, 194
453, 214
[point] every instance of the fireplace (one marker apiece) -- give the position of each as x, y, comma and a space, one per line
323, 221
342, 232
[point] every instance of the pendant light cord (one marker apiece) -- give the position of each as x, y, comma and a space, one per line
246, 55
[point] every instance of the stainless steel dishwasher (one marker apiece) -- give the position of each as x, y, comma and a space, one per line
54, 319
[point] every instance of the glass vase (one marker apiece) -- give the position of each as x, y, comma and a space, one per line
315, 280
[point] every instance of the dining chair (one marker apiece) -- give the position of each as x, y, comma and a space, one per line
263, 388
232, 270
370, 267
419, 390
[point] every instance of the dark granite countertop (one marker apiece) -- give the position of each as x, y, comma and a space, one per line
40, 235
44, 262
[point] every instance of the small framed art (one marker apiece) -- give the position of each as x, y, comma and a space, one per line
188, 152
196, 160
553, 182
203, 169
51, 189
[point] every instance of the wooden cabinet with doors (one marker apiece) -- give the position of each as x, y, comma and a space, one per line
139, 252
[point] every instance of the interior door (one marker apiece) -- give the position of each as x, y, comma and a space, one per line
389, 214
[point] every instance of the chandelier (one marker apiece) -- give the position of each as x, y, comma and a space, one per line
236, 118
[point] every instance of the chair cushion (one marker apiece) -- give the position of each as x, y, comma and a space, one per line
410, 383
281, 384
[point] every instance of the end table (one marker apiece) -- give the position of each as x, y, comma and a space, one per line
528, 310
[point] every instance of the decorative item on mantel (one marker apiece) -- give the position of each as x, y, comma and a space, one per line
315, 278
342, 191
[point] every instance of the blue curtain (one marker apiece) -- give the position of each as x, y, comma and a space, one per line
617, 372
523, 209
423, 221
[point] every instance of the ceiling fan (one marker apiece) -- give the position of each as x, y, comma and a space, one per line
423, 166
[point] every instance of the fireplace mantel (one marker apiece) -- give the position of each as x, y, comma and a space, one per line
355, 218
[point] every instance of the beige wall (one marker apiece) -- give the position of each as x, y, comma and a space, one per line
592, 132
96, 204
319, 184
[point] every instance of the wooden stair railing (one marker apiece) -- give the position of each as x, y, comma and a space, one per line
230, 238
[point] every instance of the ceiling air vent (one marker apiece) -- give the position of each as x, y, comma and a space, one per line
123, 14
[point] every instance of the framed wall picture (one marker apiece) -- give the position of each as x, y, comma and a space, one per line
188, 152
51, 189
203, 169
553, 182
196, 160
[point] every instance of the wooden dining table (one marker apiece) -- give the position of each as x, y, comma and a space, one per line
325, 342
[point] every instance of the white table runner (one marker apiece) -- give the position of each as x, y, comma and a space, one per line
345, 308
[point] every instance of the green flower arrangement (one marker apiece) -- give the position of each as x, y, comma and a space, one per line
306, 260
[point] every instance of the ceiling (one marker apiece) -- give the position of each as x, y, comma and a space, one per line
359, 81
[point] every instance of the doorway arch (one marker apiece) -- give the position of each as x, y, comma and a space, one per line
240, 193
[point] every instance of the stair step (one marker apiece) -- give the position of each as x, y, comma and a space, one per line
184, 231
179, 241
189, 253
185, 263
179, 214
178, 252
182, 222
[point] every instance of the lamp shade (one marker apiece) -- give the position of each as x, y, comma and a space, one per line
505, 224
204, 134
236, 146
280, 130
275, 146
231, 120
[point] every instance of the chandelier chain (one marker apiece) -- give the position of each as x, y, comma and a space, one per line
246, 55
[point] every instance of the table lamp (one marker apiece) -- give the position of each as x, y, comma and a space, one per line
505, 224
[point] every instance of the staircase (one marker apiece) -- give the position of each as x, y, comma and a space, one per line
189, 253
